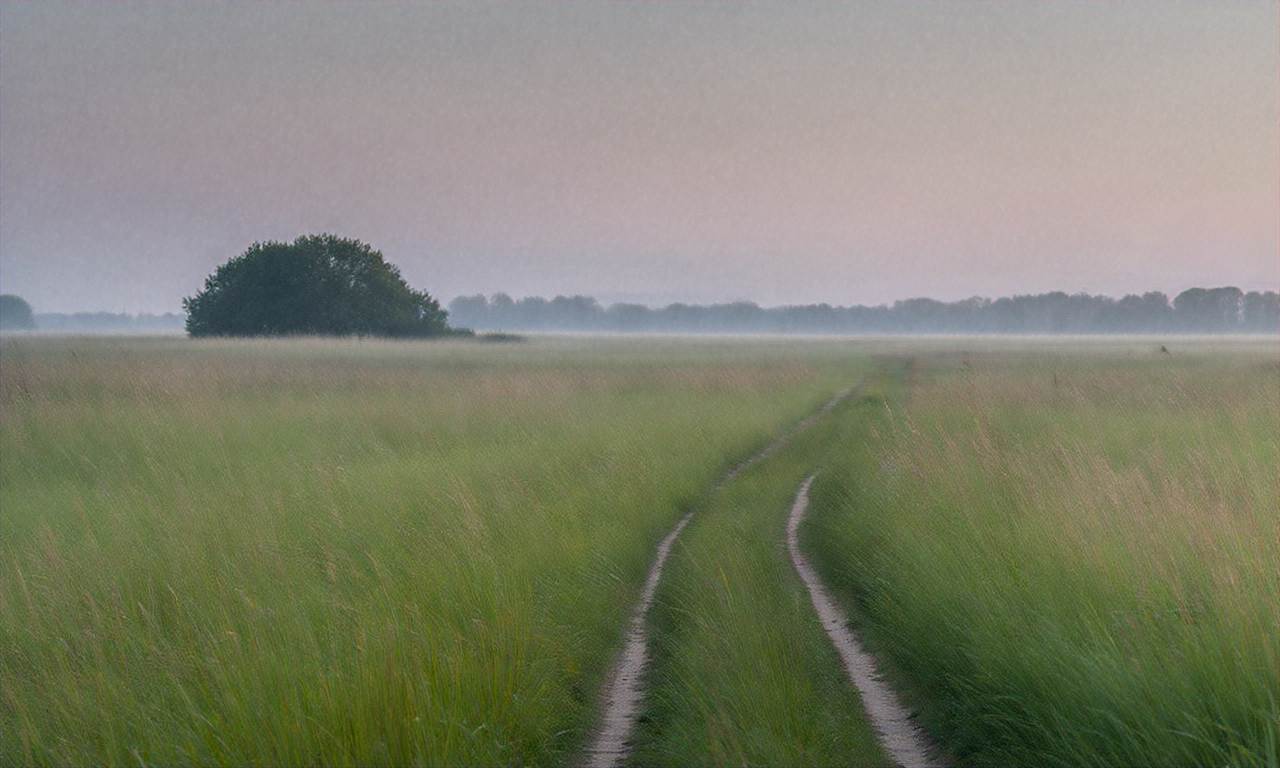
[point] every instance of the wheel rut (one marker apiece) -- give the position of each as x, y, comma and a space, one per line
904, 742
624, 688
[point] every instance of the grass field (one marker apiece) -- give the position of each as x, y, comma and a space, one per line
1072, 557
340, 552
743, 674
304, 552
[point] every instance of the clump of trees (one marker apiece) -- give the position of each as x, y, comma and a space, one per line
316, 285
15, 313
1198, 310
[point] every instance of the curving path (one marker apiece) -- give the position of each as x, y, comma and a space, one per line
624, 690
906, 745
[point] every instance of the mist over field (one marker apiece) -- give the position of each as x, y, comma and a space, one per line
605, 385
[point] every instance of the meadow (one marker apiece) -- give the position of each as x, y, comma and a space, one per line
347, 552
1070, 555
743, 674
356, 552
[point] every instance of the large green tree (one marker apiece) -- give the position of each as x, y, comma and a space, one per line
15, 313
318, 284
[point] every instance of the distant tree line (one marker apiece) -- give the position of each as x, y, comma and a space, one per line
1198, 310
107, 322
16, 315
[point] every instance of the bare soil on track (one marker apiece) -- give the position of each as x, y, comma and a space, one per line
624, 688
905, 743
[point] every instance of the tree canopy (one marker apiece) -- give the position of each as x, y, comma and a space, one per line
316, 285
15, 313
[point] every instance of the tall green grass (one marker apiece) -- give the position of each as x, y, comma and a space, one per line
305, 552
1072, 559
742, 671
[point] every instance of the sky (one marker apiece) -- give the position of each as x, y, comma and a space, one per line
651, 152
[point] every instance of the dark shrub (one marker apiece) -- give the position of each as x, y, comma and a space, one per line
15, 313
318, 285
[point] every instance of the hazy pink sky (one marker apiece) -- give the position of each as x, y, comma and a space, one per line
647, 151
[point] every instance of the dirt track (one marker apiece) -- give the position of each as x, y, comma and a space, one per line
624, 689
901, 739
